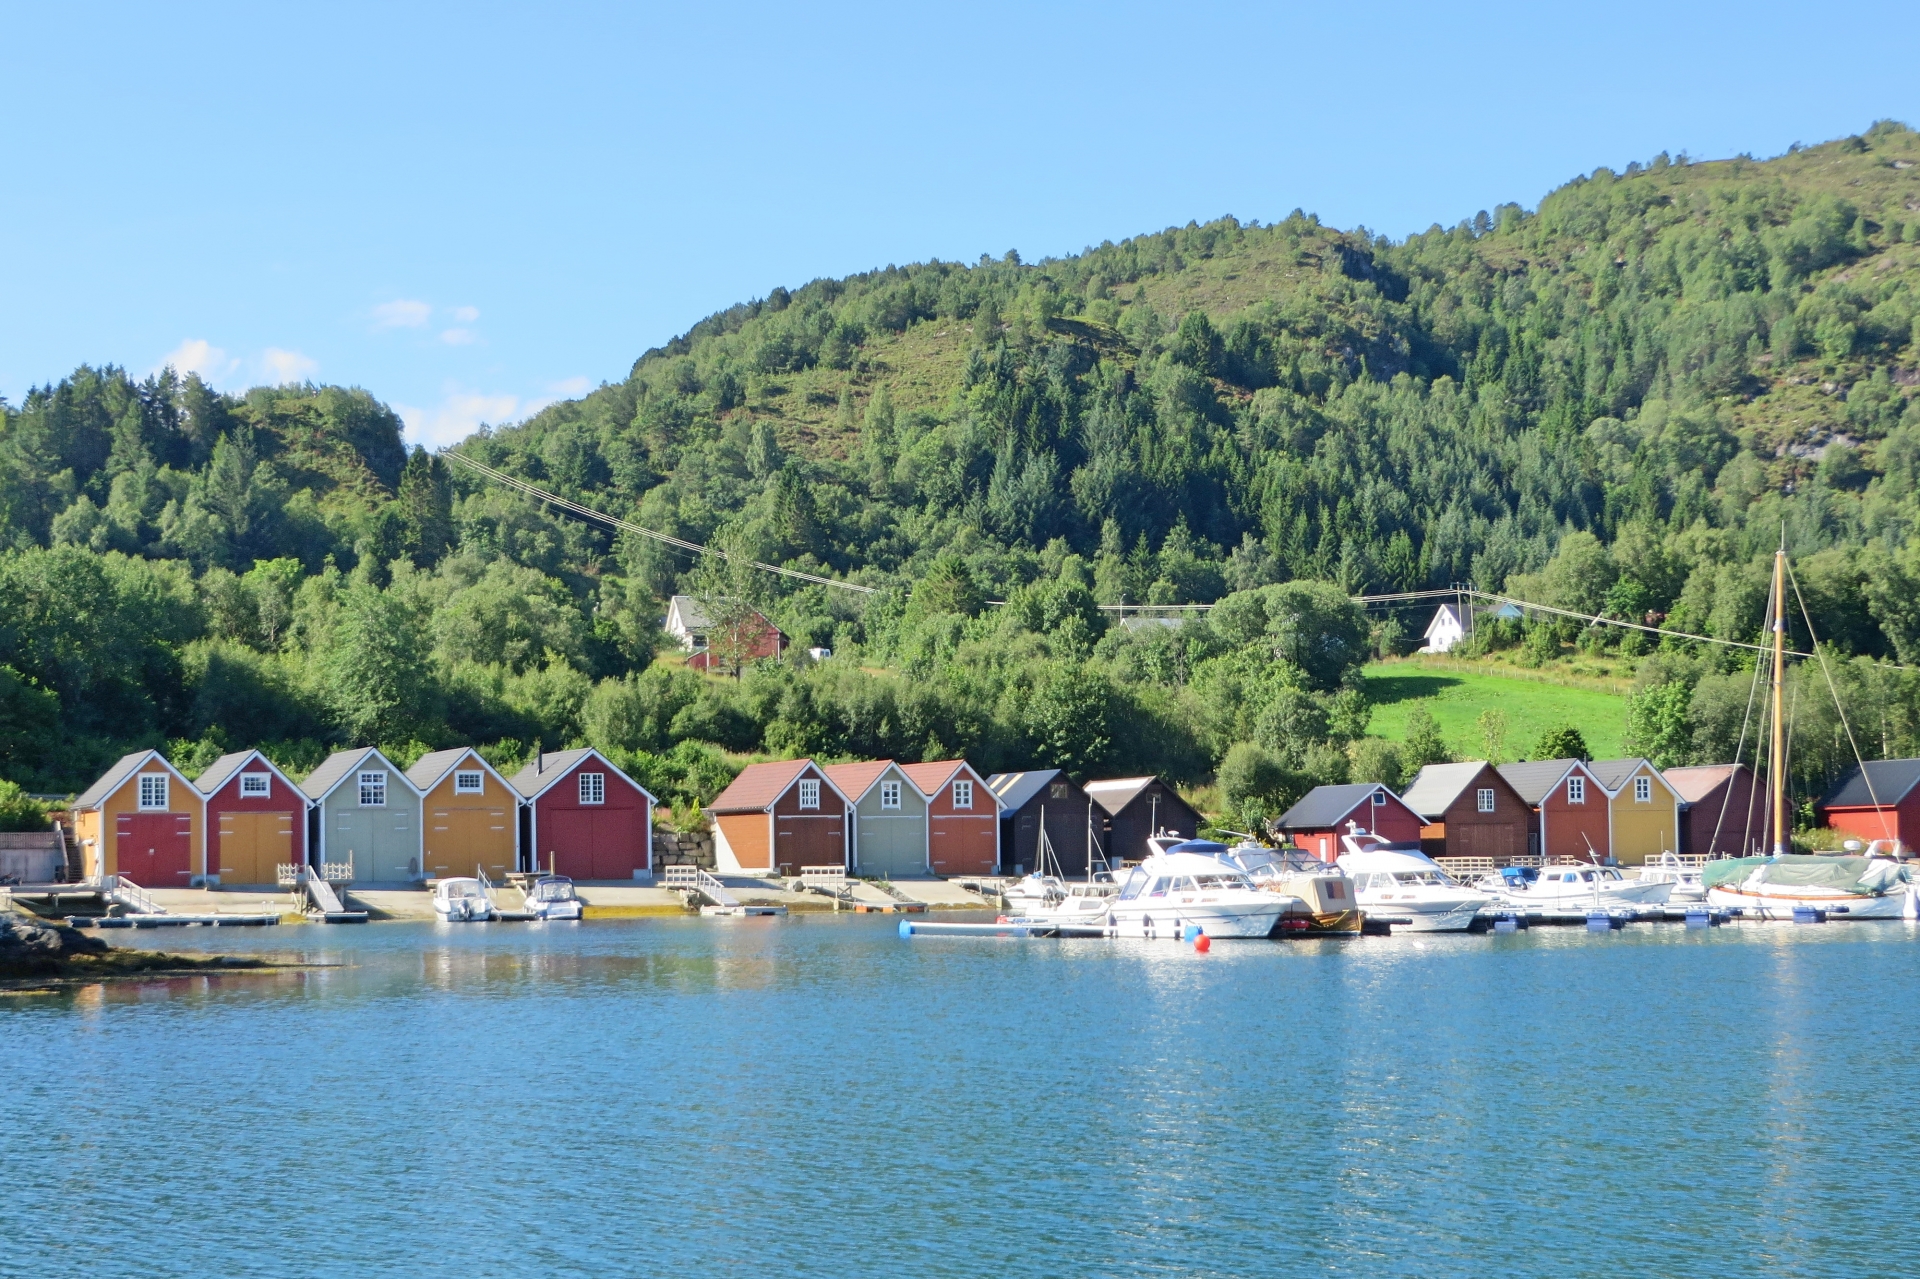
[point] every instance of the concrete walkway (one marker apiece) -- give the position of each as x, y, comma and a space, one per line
940, 894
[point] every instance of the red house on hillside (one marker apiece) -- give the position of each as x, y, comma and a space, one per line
750, 637
584, 818
256, 819
1318, 821
1876, 800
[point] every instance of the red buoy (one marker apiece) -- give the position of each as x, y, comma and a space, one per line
1202, 944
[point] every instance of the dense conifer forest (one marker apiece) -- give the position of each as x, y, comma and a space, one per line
1614, 403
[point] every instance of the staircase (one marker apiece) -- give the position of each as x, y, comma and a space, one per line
135, 900
326, 903
692, 879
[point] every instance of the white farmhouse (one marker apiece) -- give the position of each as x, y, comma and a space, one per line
1444, 631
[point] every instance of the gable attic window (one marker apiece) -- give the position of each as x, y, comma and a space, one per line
963, 794
1643, 790
889, 794
153, 792
1483, 798
1057, 791
1379, 798
1576, 790
256, 785
467, 782
593, 788
373, 790
809, 793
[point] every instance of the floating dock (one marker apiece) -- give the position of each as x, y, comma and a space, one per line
940, 928
172, 921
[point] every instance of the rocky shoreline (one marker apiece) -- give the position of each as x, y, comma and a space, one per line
34, 950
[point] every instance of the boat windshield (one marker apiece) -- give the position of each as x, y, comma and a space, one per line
1222, 881
1136, 884
1429, 878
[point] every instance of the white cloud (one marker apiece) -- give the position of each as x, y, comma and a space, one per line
197, 355
459, 337
460, 414
466, 314
401, 313
288, 366
572, 387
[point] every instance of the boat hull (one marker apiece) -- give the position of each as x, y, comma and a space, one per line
1218, 920
1781, 906
1427, 917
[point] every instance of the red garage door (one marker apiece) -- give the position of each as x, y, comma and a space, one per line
155, 850
593, 843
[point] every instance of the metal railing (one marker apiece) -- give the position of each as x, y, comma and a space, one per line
125, 892
337, 872
823, 876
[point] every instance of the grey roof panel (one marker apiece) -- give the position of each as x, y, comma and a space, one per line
341, 765
1891, 778
434, 765
1535, 779
112, 780
1115, 793
220, 771
1013, 790
1436, 786
1324, 806
1613, 773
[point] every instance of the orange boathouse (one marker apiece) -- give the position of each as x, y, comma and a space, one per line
472, 815
143, 819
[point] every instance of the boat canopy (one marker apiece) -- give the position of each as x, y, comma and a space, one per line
1862, 875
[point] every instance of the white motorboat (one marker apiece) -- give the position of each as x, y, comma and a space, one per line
1403, 883
462, 900
1570, 889
1178, 885
1844, 887
1085, 904
552, 897
1033, 892
1321, 901
1687, 886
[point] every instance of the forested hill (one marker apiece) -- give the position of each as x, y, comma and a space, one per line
1614, 401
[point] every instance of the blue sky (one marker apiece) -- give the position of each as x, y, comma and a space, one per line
471, 210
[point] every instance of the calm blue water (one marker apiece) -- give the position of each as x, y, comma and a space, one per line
815, 1096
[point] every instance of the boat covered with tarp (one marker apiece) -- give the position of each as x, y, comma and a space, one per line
1845, 887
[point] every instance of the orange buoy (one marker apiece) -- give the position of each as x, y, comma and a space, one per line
1202, 944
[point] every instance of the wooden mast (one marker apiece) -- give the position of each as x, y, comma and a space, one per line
1777, 761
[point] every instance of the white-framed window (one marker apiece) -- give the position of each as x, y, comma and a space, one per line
809, 793
1643, 790
256, 785
593, 788
1483, 799
696, 641
1379, 798
373, 789
469, 782
963, 794
1576, 790
889, 794
1056, 791
153, 792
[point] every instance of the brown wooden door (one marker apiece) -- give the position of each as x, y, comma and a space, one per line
461, 837
808, 841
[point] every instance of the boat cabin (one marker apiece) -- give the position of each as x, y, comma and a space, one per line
256, 819
143, 819
583, 818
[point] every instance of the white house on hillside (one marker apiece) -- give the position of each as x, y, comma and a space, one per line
687, 623
1444, 631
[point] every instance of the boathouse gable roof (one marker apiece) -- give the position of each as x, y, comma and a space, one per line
549, 767
1016, 790
431, 769
122, 771
1115, 793
760, 786
855, 780
1436, 786
931, 776
1323, 807
1892, 780
1613, 774
341, 765
222, 771
1536, 779
1695, 782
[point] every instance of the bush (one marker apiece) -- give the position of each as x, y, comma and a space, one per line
20, 811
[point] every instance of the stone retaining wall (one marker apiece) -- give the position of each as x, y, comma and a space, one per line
673, 849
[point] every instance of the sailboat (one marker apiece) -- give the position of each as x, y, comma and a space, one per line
1778, 886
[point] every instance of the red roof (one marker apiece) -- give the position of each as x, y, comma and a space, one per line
934, 774
853, 780
759, 786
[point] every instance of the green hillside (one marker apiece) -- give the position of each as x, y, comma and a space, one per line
1457, 696
1612, 402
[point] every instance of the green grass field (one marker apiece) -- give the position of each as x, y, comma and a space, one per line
1456, 699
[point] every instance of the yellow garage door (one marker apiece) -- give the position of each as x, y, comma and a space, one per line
462, 837
253, 846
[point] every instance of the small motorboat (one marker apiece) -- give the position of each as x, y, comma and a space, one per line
1845, 887
1321, 900
1181, 884
1033, 892
462, 899
1687, 885
552, 897
1403, 883
1085, 903
1575, 889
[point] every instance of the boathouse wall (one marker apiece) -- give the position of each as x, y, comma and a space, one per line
376, 827
961, 839
1581, 830
574, 834
153, 847
466, 828
253, 835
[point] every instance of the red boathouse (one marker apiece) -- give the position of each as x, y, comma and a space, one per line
584, 818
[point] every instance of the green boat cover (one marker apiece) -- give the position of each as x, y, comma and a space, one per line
1861, 875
